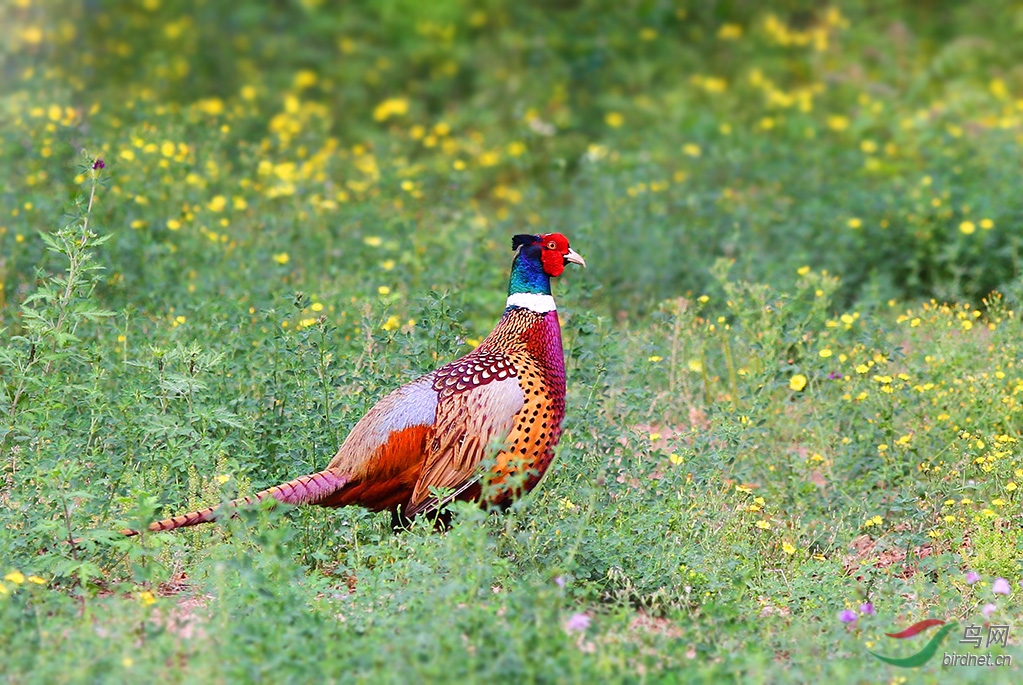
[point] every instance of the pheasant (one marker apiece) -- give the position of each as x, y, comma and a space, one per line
431, 436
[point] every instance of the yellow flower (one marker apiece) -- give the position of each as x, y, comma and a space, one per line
37, 580
788, 548
217, 203
167, 149
825, 353
614, 119
967, 227
987, 224
392, 323
654, 359
854, 222
127, 155
316, 307
223, 478
803, 270
691, 149
729, 32
16, 577
3, 589
763, 525
147, 597
675, 459
173, 224
384, 290
392, 107
32, 35
281, 258
305, 79
373, 240
695, 365
797, 382
837, 122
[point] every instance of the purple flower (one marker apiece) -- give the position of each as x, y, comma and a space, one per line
867, 609
988, 610
1001, 587
834, 375
972, 577
98, 164
847, 616
578, 623
559, 581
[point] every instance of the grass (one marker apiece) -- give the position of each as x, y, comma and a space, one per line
794, 362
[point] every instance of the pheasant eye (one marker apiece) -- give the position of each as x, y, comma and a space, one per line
552, 245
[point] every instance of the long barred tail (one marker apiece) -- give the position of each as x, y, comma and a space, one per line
310, 489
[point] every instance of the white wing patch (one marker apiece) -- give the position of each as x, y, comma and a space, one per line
413, 404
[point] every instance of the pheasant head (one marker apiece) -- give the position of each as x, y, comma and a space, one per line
538, 259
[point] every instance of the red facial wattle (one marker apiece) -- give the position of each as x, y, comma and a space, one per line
555, 247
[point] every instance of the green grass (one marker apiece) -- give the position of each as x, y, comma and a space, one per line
791, 389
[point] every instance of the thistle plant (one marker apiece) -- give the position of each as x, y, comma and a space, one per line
51, 316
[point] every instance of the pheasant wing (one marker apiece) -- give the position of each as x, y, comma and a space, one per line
472, 421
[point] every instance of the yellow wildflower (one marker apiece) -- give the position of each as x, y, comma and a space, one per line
392, 107
614, 119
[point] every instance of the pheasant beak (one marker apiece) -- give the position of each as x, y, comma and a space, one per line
575, 258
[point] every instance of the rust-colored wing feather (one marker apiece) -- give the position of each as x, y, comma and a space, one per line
471, 424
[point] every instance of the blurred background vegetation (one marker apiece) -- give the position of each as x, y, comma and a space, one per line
879, 141
303, 204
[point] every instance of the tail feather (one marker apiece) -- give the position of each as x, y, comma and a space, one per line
308, 489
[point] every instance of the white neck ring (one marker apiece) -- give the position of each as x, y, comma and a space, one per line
533, 302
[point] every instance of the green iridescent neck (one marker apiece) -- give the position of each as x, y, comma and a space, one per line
528, 276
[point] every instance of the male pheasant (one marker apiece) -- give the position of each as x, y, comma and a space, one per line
433, 434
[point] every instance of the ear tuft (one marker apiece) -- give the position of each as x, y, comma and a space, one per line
523, 240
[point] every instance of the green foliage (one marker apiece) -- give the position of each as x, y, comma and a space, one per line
305, 204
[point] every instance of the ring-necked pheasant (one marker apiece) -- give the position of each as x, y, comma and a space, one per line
506, 396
